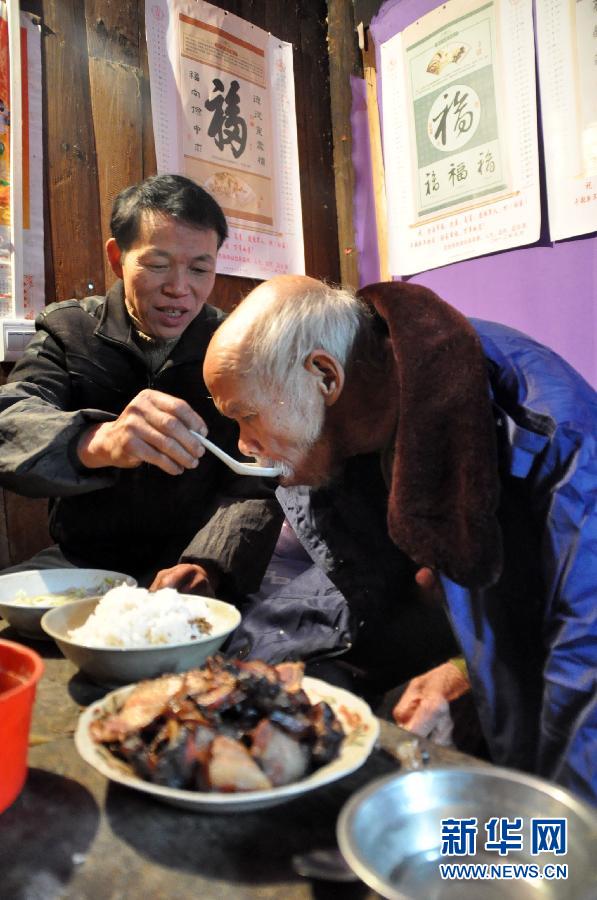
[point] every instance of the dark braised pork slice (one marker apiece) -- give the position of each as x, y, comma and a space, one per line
197, 681
265, 695
173, 761
290, 675
292, 712
174, 756
231, 768
221, 693
257, 668
144, 704
184, 709
329, 732
215, 687
178, 761
282, 758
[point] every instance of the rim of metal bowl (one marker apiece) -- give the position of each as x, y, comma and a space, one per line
348, 813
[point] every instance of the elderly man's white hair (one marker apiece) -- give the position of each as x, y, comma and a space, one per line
289, 317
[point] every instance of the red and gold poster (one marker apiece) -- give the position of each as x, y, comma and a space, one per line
32, 178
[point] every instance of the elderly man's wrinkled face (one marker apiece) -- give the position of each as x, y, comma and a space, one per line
276, 429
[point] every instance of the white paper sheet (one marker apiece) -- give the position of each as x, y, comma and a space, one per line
567, 51
222, 95
459, 134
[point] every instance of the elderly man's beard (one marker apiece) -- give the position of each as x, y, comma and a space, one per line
307, 416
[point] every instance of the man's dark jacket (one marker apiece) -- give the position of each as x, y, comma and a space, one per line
83, 366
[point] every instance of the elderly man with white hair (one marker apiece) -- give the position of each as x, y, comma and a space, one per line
426, 456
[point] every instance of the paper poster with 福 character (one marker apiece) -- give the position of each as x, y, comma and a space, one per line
222, 95
459, 134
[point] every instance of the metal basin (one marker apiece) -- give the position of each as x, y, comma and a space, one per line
392, 835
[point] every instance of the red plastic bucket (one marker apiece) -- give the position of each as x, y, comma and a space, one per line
20, 670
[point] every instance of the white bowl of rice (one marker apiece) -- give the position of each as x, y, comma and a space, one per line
132, 634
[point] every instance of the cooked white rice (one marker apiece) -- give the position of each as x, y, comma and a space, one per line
134, 617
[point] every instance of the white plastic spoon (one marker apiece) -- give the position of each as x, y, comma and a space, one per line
240, 468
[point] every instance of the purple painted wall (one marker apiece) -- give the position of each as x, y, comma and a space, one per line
548, 290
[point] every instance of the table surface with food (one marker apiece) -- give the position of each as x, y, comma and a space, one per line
88, 823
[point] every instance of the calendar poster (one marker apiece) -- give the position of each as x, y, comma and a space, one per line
460, 134
222, 94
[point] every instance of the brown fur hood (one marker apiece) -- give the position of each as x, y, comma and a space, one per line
445, 487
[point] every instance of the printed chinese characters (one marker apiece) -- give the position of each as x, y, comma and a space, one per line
227, 126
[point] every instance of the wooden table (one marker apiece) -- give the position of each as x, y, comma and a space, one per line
73, 834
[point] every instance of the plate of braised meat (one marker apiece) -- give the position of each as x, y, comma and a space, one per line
232, 735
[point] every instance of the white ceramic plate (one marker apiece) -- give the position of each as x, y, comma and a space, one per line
358, 721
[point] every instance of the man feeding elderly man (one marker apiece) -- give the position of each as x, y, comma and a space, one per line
428, 462
99, 412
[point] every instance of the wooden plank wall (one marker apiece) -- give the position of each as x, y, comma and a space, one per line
344, 62
98, 138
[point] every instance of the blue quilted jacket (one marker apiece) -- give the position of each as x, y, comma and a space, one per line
531, 640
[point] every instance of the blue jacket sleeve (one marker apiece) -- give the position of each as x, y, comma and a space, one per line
568, 724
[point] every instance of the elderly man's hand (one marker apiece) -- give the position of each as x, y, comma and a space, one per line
153, 428
186, 578
424, 707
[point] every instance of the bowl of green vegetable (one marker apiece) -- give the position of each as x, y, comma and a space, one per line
26, 596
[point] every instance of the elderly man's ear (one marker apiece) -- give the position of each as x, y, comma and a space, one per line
329, 374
